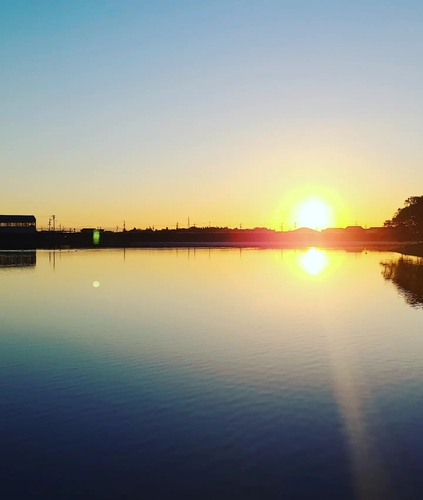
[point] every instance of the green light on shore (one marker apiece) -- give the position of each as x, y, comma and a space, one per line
96, 237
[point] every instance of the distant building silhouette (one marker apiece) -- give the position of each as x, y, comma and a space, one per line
17, 224
333, 231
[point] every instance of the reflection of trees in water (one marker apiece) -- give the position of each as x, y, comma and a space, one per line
407, 275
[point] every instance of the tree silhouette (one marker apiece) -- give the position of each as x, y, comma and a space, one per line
408, 221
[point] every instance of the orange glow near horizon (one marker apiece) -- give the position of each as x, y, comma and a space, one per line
313, 206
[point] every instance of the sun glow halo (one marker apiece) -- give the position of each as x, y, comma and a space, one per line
314, 214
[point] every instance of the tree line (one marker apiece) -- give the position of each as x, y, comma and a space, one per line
408, 220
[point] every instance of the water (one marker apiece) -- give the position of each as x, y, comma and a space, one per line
210, 374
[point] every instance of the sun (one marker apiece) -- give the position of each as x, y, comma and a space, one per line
314, 213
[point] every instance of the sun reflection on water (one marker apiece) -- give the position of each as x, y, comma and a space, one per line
313, 261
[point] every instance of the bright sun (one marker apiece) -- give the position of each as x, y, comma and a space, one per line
314, 213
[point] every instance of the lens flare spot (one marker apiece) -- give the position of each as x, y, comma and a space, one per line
96, 284
96, 236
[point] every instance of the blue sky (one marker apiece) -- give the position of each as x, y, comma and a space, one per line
227, 112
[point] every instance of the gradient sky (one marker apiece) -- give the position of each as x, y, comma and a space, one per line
227, 112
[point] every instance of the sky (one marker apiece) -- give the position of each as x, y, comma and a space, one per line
227, 112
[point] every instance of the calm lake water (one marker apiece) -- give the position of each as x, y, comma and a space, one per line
211, 374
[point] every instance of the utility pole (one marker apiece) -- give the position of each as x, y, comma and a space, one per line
49, 223
124, 226
177, 225
54, 222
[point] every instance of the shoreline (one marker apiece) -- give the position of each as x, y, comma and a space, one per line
361, 245
159, 240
